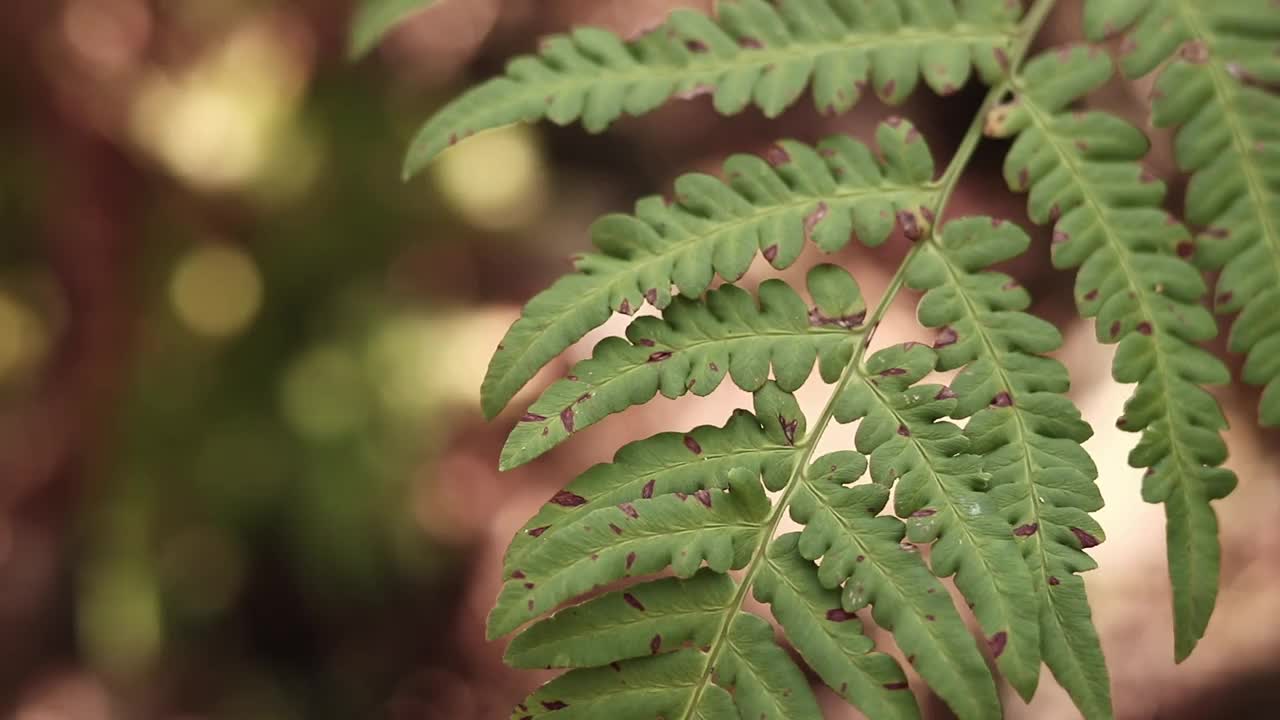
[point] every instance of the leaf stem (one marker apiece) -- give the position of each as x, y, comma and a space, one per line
1030, 25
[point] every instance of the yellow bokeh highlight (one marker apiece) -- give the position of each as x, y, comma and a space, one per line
216, 290
496, 180
24, 340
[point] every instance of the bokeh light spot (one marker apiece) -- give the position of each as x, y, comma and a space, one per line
216, 290
496, 180
324, 395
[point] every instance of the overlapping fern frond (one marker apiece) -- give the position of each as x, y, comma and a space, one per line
1219, 89
1135, 280
754, 53
988, 474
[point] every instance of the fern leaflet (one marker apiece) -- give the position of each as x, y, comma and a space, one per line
755, 52
1134, 279
1216, 90
770, 207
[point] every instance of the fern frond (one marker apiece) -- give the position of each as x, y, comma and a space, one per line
867, 555
941, 492
825, 195
1027, 433
754, 52
643, 535
693, 347
1134, 279
828, 637
1219, 90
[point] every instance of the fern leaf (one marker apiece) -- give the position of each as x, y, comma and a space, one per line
753, 53
664, 464
1027, 433
1219, 91
673, 610
771, 207
1134, 278
940, 491
693, 347
830, 639
720, 527
868, 556
375, 18
766, 682
662, 685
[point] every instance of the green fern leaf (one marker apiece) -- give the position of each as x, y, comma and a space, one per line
665, 464
1026, 432
770, 207
830, 639
673, 610
1217, 90
754, 53
375, 18
940, 491
1134, 279
868, 556
720, 527
663, 685
693, 347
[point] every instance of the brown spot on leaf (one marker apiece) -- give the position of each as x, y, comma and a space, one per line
750, 43
1144, 328
651, 295
703, 496
1091, 295
901, 685
655, 644
616, 530
692, 444
776, 156
536, 532
840, 615
647, 491
946, 336
1026, 530
926, 512
1086, 540
624, 307
645, 342
659, 356
789, 429
812, 219
695, 46
1195, 52
633, 602
945, 393
629, 510
893, 371
568, 499
566, 419
1185, 249
903, 431
532, 417
1115, 329
631, 560
997, 642
771, 252
910, 225
1053, 580
1002, 399
551, 705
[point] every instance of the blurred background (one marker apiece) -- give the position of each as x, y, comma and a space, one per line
243, 473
